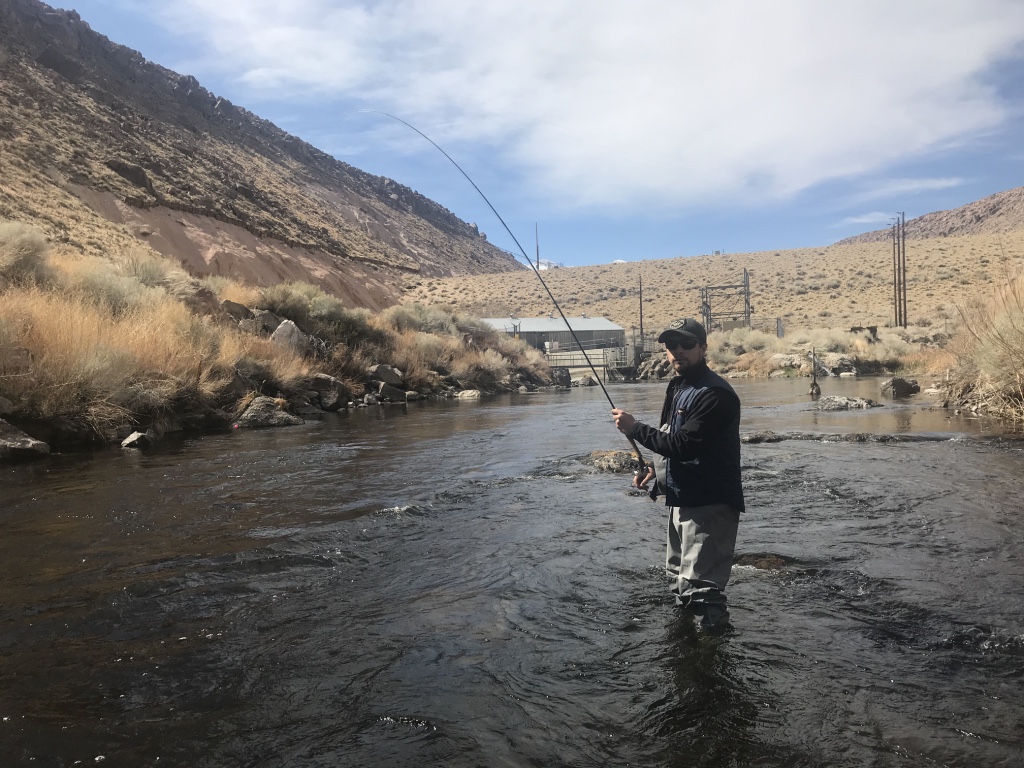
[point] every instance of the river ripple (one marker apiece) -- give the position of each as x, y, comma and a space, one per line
448, 584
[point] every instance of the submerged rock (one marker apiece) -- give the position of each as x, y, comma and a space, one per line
841, 403
612, 461
900, 387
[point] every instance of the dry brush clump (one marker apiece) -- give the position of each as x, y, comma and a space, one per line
103, 344
77, 360
990, 352
427, 343
23, 255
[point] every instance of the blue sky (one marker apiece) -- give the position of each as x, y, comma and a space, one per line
628, 130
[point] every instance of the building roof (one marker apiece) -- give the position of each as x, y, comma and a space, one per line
551, 324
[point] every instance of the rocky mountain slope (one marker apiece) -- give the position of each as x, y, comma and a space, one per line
105, 151
995, 214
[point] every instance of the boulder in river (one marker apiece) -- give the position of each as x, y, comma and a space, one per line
900, 387
391, 394
15, 445
267, 412
333, 394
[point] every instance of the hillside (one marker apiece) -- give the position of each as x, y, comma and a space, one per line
104, 151
108, 153
840, 285
996, 214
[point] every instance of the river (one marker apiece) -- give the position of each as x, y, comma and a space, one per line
448, 584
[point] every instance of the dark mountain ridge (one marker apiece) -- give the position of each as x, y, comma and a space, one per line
85, 118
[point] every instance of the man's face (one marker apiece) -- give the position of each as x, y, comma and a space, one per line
681, 358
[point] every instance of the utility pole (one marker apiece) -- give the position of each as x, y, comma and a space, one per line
899, 270
903, 250
895, 278
641, 309
536, 238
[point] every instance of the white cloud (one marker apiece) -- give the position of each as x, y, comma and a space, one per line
652, 103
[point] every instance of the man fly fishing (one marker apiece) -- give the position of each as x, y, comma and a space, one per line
697, 469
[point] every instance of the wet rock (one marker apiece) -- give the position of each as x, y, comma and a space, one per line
332, 393
560, 376
618, 462
469, 394
267, 412
585, 380
6, 406
766, 436
305, 405
370, 399
386, 373
763, 561
138, 440
838, 363
841, 403
391, 394
900, 387
15, 445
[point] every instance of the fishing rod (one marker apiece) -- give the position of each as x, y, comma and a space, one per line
536, 271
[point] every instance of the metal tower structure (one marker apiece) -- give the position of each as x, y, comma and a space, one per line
726, 306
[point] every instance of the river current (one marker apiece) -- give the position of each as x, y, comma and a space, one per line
451, 584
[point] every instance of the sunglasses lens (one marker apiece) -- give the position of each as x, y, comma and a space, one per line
684, 344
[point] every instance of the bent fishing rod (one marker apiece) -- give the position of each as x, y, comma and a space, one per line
536, 271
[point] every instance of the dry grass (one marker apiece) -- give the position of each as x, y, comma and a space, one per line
990, 353
23, 252
82, 363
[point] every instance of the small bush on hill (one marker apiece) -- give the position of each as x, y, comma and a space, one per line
23, 251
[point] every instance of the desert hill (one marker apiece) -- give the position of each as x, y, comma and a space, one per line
995, 214
841, 285
107, 153
104, 151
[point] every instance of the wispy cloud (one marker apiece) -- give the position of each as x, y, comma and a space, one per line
902, 188
654, 103
875, 217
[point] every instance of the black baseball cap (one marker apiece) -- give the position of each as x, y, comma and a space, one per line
686, 327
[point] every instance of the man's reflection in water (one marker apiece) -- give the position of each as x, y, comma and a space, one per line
712, 716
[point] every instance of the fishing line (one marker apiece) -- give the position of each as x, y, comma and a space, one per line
536, 271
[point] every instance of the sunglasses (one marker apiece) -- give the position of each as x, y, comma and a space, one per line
681, 343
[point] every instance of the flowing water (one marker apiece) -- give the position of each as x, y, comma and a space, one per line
448, 584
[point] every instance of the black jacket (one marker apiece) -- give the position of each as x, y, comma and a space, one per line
702, 442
